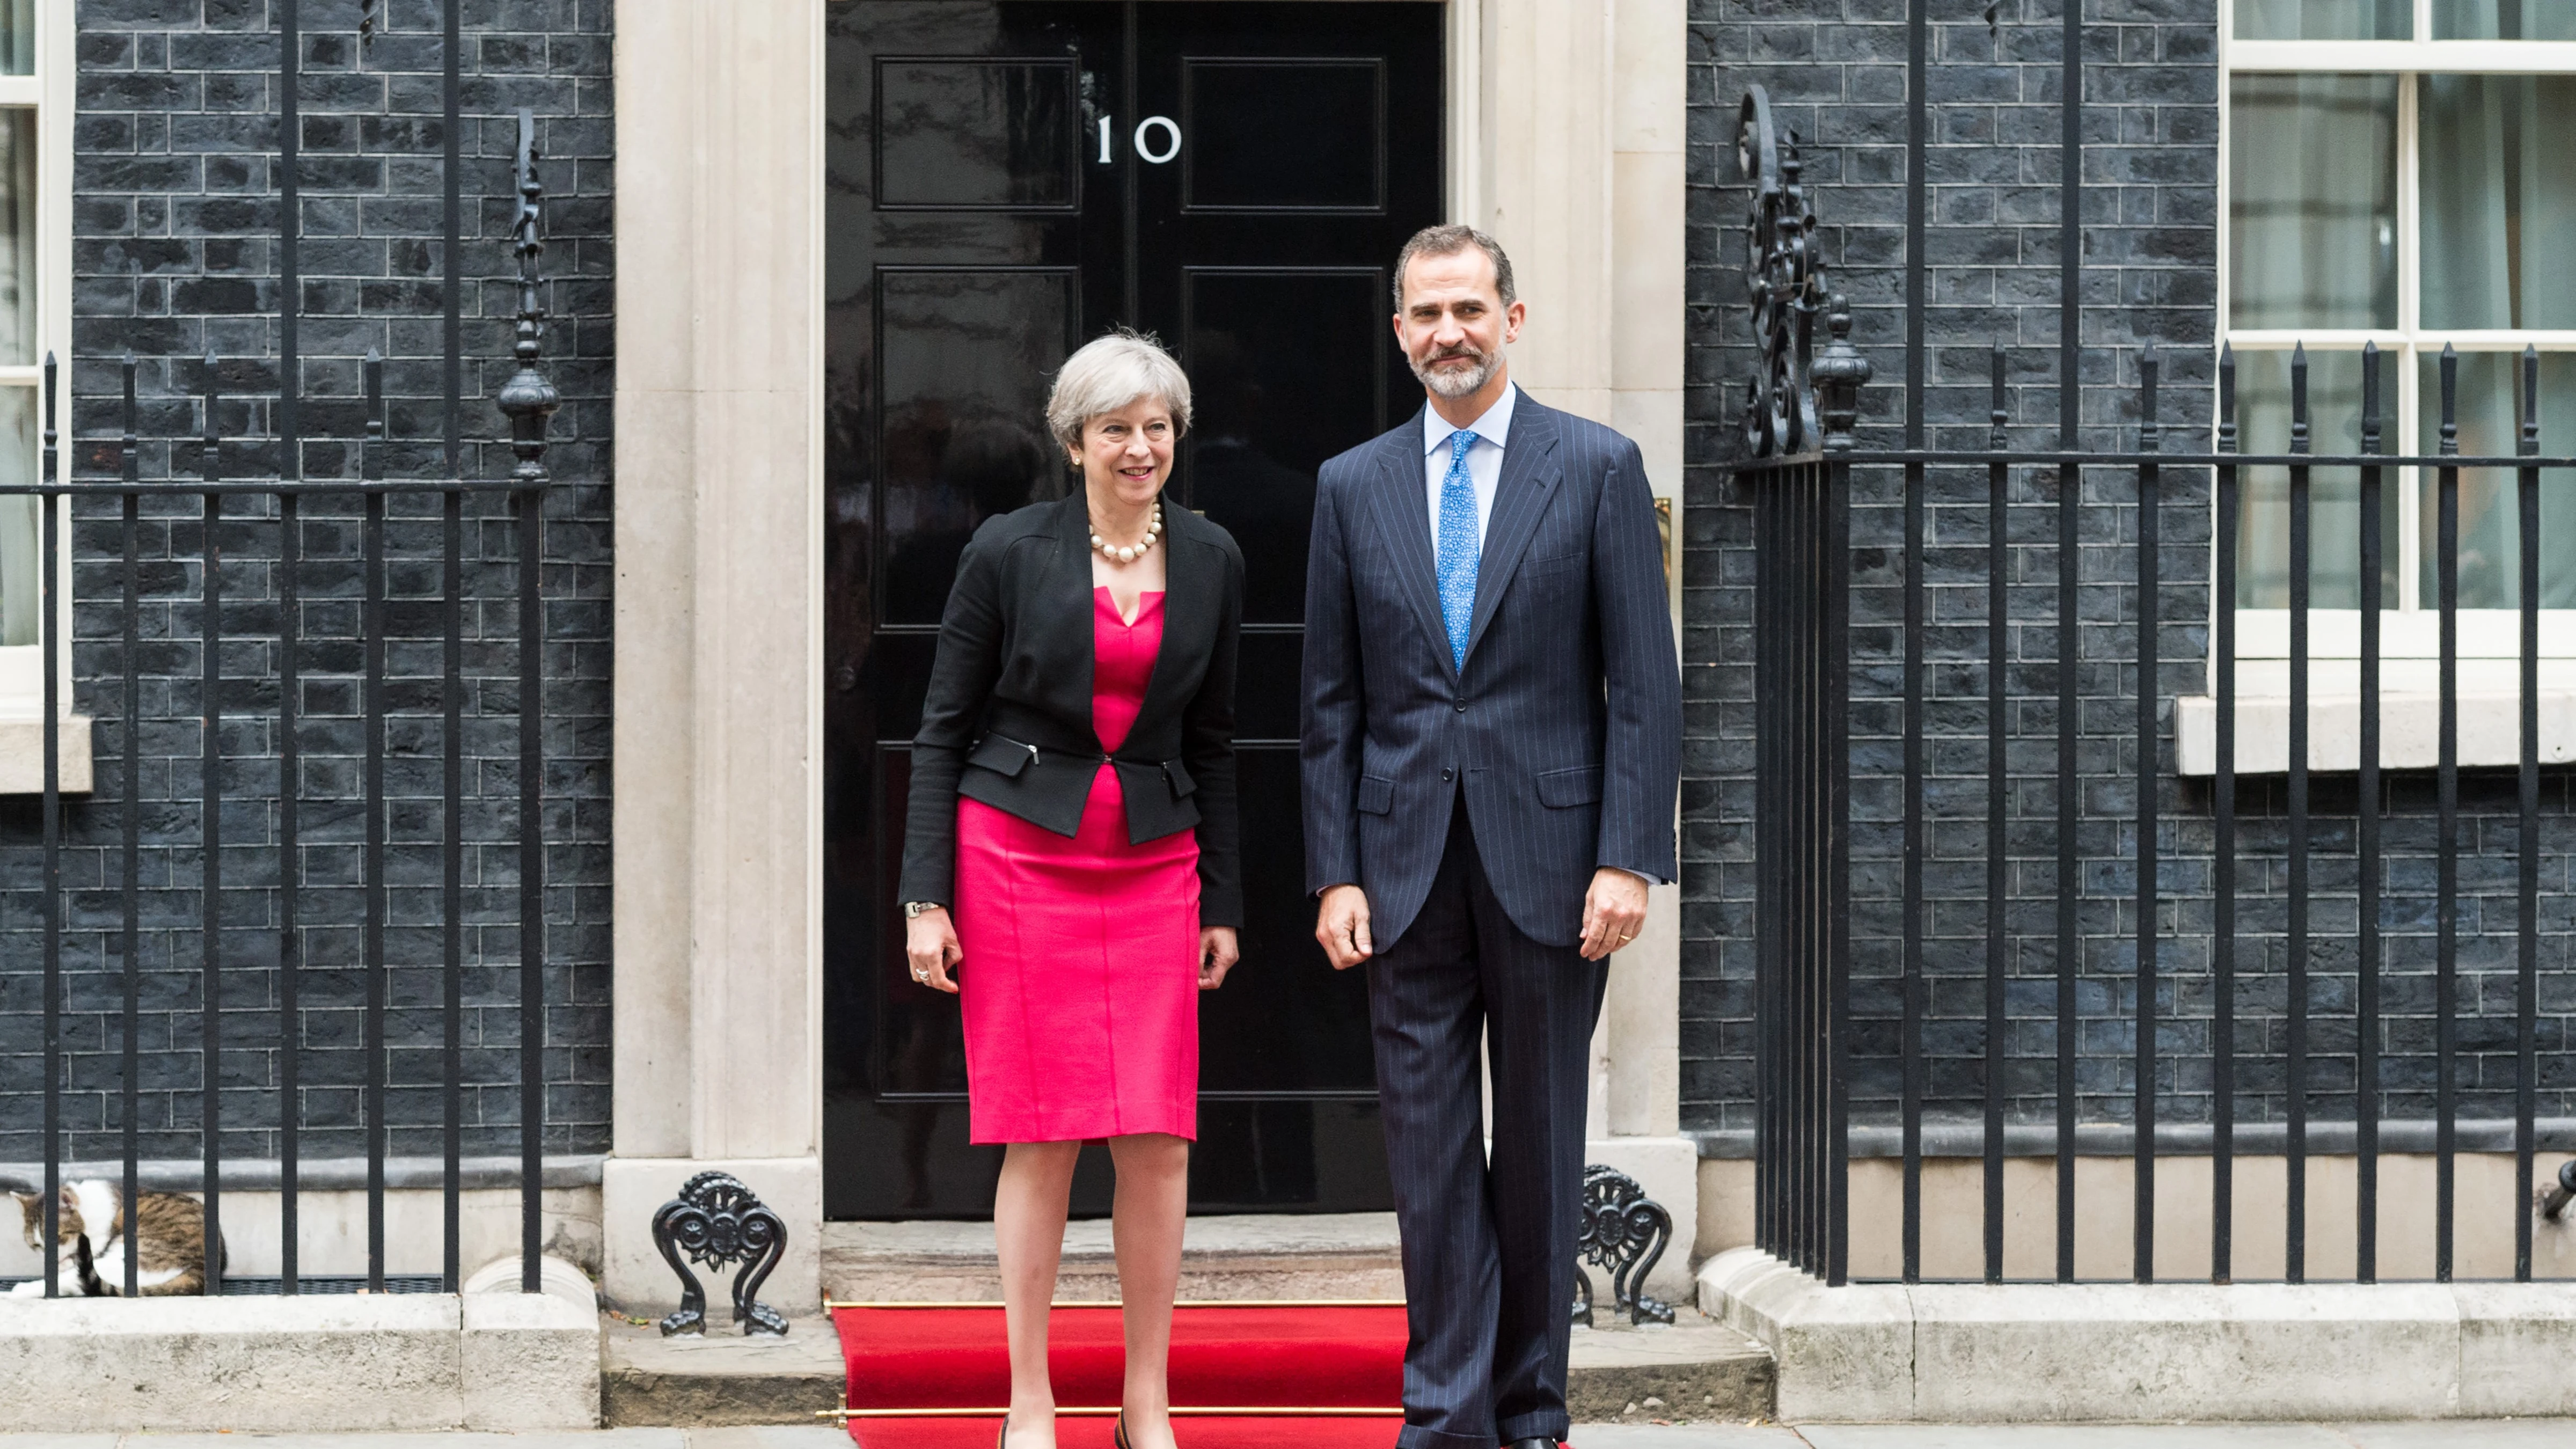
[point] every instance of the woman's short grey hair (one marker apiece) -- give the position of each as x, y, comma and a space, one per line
1109, 373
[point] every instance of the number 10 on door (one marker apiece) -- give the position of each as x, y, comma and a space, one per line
1157, 139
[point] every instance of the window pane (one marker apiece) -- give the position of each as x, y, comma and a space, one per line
2499, 179
17, 236
2327, 19
2503, 20
17, 37
2490, 533
2312, 240
19, 580
2334, 494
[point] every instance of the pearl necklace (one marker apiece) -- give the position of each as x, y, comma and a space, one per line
1129, 553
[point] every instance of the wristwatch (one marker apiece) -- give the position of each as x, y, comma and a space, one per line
915, 908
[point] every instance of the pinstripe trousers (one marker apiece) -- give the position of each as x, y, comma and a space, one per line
1488, 1250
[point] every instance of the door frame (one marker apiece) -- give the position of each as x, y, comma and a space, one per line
718, 689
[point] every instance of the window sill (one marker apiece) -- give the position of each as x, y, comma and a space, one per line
2490, 731
22, 755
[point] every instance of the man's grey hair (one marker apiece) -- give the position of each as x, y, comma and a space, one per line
1107, 374
1447, 241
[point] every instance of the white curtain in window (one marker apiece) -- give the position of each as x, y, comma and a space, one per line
2334, 494
2503, 20
2499, 200
18, 37
2312, 208
2489, 415
2327, 19
19, 580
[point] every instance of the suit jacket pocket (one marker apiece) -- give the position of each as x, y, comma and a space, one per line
1177, 775
1557, 563
1561, 789
1002, 756
1377, 795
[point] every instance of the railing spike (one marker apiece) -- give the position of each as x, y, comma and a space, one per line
2226, 399
212, 462
2370, 397
2148, 367
2530, 442
2298, 397
1997, 417
2450, 398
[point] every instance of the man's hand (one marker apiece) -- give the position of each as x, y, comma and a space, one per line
1614, 911
1342, 925
1218, 951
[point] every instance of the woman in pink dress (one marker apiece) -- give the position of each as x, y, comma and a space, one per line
1070, 858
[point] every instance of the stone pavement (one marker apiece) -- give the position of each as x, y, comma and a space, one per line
2479, 1434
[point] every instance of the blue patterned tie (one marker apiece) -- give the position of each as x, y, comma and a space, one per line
1458, 547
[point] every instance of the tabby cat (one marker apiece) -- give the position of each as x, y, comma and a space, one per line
169, 1241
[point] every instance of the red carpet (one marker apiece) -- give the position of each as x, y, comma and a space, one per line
1271, 1357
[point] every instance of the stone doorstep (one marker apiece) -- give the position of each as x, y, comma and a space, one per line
495, 1361
2120, 1352
1250, 1256
720, 1379
1700, 1369
1696, 1369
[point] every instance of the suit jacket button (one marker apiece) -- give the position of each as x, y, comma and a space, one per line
1446, 772
1462, 706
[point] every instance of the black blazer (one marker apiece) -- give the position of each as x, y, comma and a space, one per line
1008, 717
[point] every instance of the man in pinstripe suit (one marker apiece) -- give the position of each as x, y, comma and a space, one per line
1492, 741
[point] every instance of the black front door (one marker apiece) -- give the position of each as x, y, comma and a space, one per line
1008, 180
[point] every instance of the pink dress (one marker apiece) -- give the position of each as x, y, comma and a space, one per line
1080, 975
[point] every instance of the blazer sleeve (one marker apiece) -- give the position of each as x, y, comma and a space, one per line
962, 672
1207, 743
1334, 713
1642, 754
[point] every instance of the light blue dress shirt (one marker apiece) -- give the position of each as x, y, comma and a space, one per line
1484, 459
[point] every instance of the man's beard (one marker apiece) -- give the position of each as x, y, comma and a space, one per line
1457, 382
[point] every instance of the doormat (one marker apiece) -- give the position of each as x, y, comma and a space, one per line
1321, 1375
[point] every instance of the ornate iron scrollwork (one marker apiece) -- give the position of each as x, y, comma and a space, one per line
527, 399
1625, 1232
1784, 282
716, 1220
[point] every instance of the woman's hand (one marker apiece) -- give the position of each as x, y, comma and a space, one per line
930, 941
1217, 955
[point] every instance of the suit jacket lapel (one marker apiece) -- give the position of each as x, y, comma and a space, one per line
1191, 580
1067, 591
1404, 511
1530, 474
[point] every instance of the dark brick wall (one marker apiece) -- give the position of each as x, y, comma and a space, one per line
175, 254
1835, 71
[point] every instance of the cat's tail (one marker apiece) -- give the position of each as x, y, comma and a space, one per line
90, 1283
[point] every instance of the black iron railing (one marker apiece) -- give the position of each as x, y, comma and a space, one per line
1804, 827
287, 533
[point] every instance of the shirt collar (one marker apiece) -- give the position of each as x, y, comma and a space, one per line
1494, 427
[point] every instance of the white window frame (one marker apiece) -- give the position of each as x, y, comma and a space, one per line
2489, 640
50, 93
